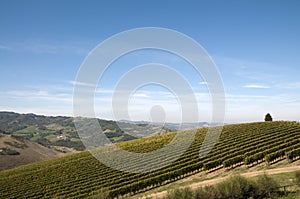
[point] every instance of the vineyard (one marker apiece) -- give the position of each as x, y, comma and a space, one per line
81, 175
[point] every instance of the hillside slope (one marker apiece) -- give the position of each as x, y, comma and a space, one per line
45, 137
25, 152
81, 175
52, 131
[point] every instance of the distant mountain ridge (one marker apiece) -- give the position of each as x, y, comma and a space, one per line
46, 137
60, 130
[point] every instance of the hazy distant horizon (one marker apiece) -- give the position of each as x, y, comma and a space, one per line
146, 121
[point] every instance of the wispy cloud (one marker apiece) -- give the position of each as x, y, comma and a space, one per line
36, 101
252, 70
203, 83
293, 85
37, 96
50, 100
46, 47
256, 86
77, 83
143, 95
4, 47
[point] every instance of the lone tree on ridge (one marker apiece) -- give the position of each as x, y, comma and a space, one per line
268, 118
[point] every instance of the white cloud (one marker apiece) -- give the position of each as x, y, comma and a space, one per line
203, 83
140, 95
77, 83
255, 86
244, 98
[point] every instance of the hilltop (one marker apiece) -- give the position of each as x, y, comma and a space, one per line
81, 175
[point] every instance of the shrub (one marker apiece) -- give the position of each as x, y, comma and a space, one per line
235, 187
208, 192
297, 177
8, 151
185, 193
266, 187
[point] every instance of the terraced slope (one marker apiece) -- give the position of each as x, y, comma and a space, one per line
81, 175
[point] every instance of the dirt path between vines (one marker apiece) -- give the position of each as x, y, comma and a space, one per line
216, 180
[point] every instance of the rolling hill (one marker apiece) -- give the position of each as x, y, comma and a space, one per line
54, 131
43, 137
81, 175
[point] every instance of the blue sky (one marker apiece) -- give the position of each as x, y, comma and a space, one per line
255, 45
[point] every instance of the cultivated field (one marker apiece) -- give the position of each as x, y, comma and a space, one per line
81, 175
